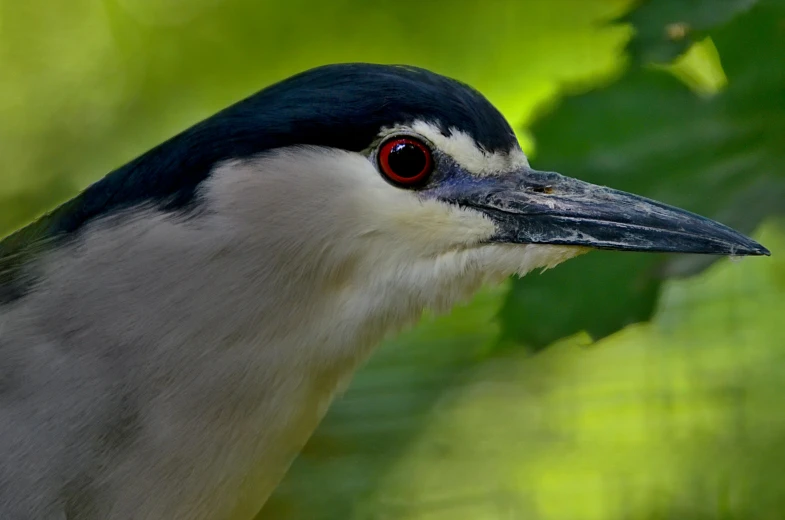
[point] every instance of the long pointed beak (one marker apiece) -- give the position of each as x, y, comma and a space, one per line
535, 207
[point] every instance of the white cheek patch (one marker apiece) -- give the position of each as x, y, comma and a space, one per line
464, 150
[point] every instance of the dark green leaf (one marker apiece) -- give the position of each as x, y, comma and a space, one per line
581, 294
666, 28
721, 156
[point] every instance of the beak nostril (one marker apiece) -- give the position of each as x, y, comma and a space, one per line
547, 190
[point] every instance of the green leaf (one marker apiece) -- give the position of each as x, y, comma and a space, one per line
578, 295
720, 156
664, 29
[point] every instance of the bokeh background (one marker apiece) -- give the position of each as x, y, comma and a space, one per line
615, 387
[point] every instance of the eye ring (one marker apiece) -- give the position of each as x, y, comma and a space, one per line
405, 161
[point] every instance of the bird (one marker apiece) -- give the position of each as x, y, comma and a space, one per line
171, 336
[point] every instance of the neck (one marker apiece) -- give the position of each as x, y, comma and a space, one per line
181, 316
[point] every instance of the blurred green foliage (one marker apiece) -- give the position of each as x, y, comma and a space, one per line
674, 419
677, 418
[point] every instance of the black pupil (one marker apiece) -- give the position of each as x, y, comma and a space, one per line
407, 160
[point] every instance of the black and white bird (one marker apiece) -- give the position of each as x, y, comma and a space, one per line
170, 337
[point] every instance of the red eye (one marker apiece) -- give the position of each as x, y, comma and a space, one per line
405, 161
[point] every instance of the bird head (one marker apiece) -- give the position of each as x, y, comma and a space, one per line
388, 182
414, 180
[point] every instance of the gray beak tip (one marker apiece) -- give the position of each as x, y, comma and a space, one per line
755, 249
